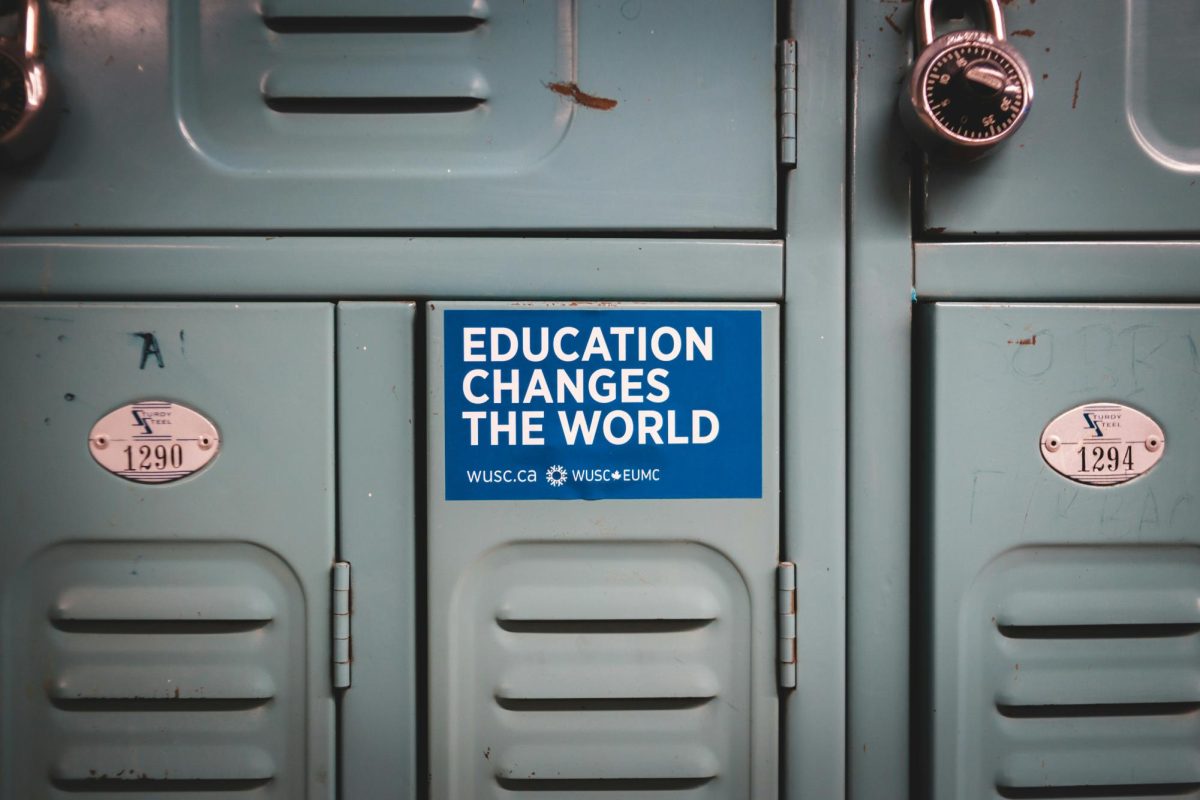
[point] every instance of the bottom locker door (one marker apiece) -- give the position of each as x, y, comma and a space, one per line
166, 536
1059, 542
603, 536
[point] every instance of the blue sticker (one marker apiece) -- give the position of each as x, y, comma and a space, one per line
598, 404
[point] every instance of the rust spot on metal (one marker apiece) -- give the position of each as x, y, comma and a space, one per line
1075, 97
1032, 340
1022, 32
176, 692
892, 23
938, 230
581, 97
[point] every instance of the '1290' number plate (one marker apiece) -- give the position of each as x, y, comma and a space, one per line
153, 441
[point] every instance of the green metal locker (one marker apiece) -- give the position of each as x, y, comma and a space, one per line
1058, 655
602, 645
170, 637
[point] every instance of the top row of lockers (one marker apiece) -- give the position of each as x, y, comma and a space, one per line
561, 115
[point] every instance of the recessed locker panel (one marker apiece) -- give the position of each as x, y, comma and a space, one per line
603, 535
299, 115
165, 632
1060, 611
1112, 142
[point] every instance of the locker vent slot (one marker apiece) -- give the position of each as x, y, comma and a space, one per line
1125, 791
1096, 710
372, 25
584, 626
608, 785
370, 89
172, 704
1123, 631
135, 783
135, 627
601, 703
1086, 661
367, 104
164, 669
372, 105
608, 668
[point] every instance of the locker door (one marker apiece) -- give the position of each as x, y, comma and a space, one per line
1112, 143
1062, 653
602, 615
297, 115
170, 638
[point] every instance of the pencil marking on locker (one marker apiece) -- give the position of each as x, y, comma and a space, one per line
1185, 499
1105, 516
975, 486
1029, 362
1195, 353
1064, 510
1149, 511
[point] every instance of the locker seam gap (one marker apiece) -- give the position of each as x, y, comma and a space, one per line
338, 696
420, 471
665, 234
850, 133
785, 12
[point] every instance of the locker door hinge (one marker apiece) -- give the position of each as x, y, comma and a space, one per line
787, 102
785, 579
341, 625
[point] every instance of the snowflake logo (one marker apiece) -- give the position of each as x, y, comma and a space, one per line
556, 475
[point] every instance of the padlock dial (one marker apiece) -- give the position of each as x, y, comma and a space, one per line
13, 98
975, 91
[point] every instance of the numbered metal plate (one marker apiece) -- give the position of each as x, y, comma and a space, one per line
153, 441
1102, 444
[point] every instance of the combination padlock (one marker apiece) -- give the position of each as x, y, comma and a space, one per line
968, 90
26, 95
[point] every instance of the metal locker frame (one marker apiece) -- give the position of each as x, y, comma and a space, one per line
805, 271
898, 265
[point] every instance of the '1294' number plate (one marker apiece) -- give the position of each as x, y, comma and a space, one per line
1102, 444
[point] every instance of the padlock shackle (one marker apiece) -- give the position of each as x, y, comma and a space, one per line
32, 21
925, 32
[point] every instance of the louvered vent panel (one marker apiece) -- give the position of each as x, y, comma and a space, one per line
374, 88
1084, 665
617, 670
158, 670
